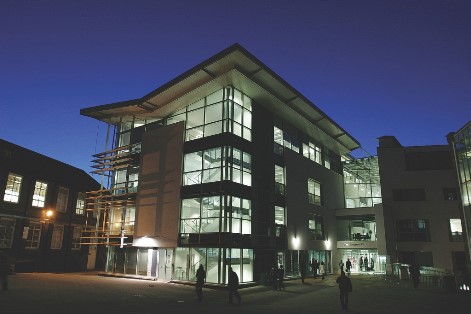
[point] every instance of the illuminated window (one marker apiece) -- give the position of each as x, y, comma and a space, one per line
217, 164
226, 110
39, 196
57, 236
456, 230
280, 215
216, 214
62, 198
279, 180
7, 229
313, 152
80, 205
314, 192
12, 190
34, 235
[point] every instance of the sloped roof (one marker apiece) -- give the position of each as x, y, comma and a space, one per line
232, 66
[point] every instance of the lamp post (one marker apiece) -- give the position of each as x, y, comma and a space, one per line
47, 215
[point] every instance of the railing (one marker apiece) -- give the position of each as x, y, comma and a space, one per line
435, 277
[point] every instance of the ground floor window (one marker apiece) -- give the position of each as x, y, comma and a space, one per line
363, 260
216, 262
181, 263
295, 260
7, 228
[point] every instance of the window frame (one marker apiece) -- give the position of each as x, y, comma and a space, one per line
62, 199
15, 187
33, 239
7, 232
57, 238
39, 192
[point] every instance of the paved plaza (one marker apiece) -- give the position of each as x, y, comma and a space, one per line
90, 293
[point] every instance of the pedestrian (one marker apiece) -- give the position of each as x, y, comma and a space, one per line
316, 268
233, 285
365, 261
302, 269
348, 266
200, 280
322, 270
4, 269
414, 272
345, 287
274, 277
281, 277
361, 263
341, 264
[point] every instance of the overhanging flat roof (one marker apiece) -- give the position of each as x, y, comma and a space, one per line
232, 66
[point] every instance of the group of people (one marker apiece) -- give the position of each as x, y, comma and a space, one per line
232, 285
363, 265
277, 275
318, 268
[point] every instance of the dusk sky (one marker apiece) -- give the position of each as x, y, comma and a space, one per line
377, 68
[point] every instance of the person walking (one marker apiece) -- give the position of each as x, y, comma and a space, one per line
302, 269
345, 287
233, 285
200, 280
274, 277
361, 263
414, 272
348, 266
4, 269
316, 268
281, 277
341, 264
322, 270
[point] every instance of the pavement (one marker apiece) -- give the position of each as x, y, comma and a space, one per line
89, 293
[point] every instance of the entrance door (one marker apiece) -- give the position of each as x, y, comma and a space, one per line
165, 263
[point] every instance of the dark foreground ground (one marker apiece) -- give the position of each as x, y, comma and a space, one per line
90, 293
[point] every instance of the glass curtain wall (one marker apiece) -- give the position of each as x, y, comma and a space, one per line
217, 164
216, 214
357, 228
361, 181
226, 110
462, 147
216, 262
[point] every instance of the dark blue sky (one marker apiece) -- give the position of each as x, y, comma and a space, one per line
376, 67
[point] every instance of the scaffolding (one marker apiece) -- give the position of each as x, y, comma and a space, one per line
109, 206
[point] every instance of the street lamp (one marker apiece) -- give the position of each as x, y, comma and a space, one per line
48, 214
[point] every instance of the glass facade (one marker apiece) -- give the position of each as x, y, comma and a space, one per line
226, 110
217, 164
361, 182
356, 228
216, 214
462, 147
364, 260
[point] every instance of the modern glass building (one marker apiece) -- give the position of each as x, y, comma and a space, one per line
461, 143
360, 225
225, 165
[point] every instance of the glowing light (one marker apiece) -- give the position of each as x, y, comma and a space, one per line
296, 241
328, 244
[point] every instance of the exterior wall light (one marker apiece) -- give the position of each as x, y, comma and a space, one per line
296, 242
328, 244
